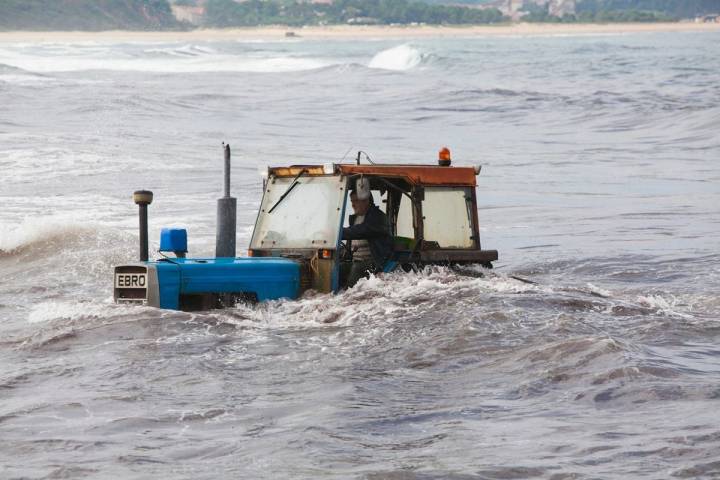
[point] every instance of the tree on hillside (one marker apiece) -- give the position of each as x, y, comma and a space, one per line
226, 13
675, 8
86, 15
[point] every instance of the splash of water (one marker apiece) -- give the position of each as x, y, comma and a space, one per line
400, 58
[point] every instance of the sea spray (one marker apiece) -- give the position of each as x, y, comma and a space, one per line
400, 58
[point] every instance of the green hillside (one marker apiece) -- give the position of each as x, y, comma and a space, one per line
227, 13
458, 2
91, 15
674, 8
619, 11
95, 15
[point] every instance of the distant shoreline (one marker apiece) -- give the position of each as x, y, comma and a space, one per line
348, 32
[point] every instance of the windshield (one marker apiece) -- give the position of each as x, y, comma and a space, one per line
308, 216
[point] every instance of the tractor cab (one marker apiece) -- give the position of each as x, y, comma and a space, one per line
431, 211
297, 243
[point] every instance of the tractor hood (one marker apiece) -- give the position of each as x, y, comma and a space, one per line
194, 283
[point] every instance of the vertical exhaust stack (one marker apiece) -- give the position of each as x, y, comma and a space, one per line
226, 216
143, 198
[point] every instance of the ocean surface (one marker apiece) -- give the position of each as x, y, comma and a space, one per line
600, 183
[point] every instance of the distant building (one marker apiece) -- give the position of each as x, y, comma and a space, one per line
560, 8
712, 18
509, 8
514, 8
363, 21
189, 14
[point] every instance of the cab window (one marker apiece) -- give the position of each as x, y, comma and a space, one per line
404, 223
378, 199
447, 217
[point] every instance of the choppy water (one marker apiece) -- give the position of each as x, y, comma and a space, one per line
601, 182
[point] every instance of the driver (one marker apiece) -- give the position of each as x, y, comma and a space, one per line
370, 231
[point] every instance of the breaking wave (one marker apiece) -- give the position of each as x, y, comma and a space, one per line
36, 234
172, 60
400, 58
14, 75
184, 51
71, 244
8, 68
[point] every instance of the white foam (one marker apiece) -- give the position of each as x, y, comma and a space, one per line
26, 80
668, 306
35, 230
187, 59
48, 311
594, 289
378, 300
400, 58
184, 51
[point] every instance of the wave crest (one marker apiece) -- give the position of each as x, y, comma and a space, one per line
48, 236
400, 58
37, 233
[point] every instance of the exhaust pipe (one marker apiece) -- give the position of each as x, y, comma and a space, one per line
143, 198
226, 216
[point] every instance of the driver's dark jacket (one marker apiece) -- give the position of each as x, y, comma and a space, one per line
376, 230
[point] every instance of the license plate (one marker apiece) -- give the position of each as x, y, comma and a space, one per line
130, 280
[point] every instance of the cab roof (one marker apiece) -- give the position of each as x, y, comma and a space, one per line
414, 174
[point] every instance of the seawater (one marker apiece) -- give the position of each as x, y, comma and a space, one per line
600, 183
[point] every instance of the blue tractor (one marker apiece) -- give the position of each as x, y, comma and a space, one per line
297, 241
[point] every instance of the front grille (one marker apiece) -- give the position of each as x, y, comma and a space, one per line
130, 284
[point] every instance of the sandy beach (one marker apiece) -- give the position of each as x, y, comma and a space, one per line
349, 32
